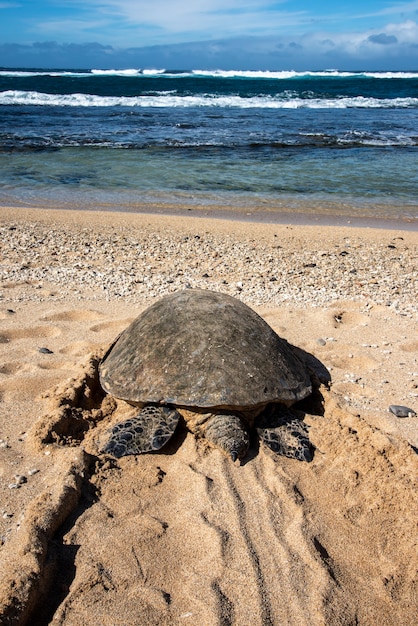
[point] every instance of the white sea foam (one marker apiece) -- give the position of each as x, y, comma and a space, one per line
33, 73
150, 72
171, 99
153, 72
131, 72
283, 75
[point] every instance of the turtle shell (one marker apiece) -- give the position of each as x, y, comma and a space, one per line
199, 348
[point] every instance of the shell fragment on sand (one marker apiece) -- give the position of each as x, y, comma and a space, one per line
401, 411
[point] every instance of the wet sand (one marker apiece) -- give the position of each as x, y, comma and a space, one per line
185, 536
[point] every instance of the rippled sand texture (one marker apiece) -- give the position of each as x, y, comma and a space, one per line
185, 536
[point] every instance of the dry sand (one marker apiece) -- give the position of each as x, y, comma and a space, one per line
185, 536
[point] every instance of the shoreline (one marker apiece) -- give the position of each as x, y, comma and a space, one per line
232, 213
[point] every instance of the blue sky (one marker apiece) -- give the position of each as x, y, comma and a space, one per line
210, 34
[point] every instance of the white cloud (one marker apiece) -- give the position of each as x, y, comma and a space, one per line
161, 22
390, 41
254, 34
161, 10
199, 18
70, 29
397, 9
406, 33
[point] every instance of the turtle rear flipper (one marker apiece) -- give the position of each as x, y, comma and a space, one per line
284, 433
228, 433
149, 430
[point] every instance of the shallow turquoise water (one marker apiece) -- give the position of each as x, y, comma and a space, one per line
313, 142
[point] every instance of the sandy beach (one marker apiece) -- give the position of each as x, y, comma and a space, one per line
184, 536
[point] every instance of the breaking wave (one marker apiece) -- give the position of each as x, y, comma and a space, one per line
171, 99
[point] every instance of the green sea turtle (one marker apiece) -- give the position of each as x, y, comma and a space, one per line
210, 358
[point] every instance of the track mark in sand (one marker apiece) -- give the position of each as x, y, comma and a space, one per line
326, 559
72, 408
231, 495
409, 347
347, 318
139, 566
116, 326
350, 361
209, 482
292, 555
144, 576
27, 333
226, 614
78, 348
31, 554
73, 316
17, 367
248, 510
55, 365
118, 578
299, 498
223, 535
11, 368
105, 577
259, 517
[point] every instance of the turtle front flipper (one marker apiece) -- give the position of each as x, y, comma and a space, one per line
284, 433
149, 430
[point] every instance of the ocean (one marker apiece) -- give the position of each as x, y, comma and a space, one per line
330, 143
